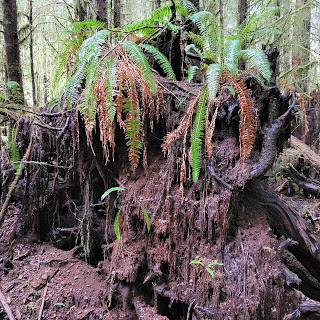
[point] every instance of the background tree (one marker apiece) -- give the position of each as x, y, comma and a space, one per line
11, 41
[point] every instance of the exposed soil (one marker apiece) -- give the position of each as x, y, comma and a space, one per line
251, 283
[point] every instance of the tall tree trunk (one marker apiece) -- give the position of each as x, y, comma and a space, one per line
116, 13
301, 34
34, 100
243, 10
101, 11
10, 31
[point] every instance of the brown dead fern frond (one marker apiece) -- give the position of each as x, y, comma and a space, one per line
248, 118
183, 126
210, 126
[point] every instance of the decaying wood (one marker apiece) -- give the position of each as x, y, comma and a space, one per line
269, 149
6, 306
145, 312
309, 186
305, 150
14, 183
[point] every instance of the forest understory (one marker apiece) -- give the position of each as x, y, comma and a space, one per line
234, 245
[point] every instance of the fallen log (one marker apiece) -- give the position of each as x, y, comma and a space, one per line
305, 150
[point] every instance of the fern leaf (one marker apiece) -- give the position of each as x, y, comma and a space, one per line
213, 76
254, 19
248, 118
195, 49
132, 129
141, 61
161, 59
13, 149
259, 60
191, 72
197, 134
232, 52
189, 6
196, 39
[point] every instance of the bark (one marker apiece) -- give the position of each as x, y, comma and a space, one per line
243, 11
101, 11
10, 31
301, 34
117, 13
34, 100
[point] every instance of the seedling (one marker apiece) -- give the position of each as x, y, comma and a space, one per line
207, 266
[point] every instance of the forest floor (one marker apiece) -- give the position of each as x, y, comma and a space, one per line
37, 277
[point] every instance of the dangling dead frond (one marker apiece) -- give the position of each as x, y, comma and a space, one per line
183, 126
248, 118
209, 131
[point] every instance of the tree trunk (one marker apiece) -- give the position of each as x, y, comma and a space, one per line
34, 100
101, 11
243, 11
116, 13
301, 34
10, 31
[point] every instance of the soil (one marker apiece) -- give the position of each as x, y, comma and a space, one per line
251, 283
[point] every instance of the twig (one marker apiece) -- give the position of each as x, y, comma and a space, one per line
6, 306
189, 308
42, 302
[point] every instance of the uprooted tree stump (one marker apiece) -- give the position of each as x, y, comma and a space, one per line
226, 247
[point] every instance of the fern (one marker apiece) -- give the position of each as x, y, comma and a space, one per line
17, 96
133, 127
161, 59
189, 6
195, 49
258, 59
140, 59
158, 18
13, 149
74, 37
191, 72
197, 134
232, 49
213, 76
254, 19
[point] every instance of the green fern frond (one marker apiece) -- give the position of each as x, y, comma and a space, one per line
74, 36
195, 49
254, 19
197, 39
161, 59
197, 134
140, 59
189, 6
232, 53
191, 72
213, 76
13, 149
154, 19
15, 91
259, 60
211, 32
111, 88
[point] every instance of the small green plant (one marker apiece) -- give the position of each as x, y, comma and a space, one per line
105, 194
117, 226
146, 218
207, 266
